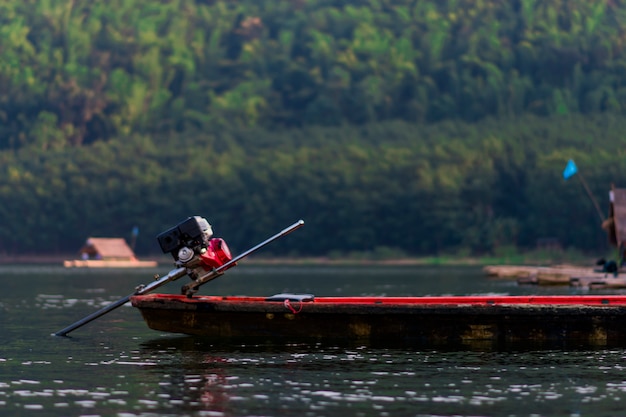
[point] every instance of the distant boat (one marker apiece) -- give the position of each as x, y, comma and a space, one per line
100, 252
603, 277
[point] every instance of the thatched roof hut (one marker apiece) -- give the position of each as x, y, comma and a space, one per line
107, 249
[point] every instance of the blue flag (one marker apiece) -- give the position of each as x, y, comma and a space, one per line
570, 169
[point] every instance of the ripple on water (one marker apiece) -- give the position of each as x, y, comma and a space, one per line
143, 373
58, 301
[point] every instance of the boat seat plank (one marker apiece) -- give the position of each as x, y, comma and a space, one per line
291, 297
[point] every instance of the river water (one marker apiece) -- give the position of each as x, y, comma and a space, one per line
116, 366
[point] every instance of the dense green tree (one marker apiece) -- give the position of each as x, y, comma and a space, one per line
422, 126
88, 72
471, 188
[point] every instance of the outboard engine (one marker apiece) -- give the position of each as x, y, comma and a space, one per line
191, 244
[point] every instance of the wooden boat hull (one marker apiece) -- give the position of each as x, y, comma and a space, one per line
432, 321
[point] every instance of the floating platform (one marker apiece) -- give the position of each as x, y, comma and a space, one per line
599, 281
99, 263
540, 275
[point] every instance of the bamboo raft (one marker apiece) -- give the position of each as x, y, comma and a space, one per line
558, 275
540, 275
599, 282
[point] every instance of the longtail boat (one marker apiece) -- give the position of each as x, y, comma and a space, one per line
437, 320
598, 320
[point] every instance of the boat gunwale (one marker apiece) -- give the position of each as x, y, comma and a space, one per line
478, 300
433, 320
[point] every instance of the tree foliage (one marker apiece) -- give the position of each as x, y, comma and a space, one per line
419, 190
78, 72
425, 126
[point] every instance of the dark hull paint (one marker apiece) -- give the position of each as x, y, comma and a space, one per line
420, 321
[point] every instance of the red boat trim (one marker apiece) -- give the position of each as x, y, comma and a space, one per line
586, 300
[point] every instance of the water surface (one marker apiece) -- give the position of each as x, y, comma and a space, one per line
116, 366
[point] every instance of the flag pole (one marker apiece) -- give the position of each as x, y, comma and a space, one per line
570, 170
595, 203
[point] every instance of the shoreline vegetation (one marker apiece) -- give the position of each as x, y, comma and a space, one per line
531, 258
420, 128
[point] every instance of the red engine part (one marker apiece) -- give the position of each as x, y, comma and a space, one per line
216, 255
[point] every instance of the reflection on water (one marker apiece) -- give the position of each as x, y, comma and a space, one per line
116, 366
326, 380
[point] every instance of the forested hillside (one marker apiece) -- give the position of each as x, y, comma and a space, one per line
392, 125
